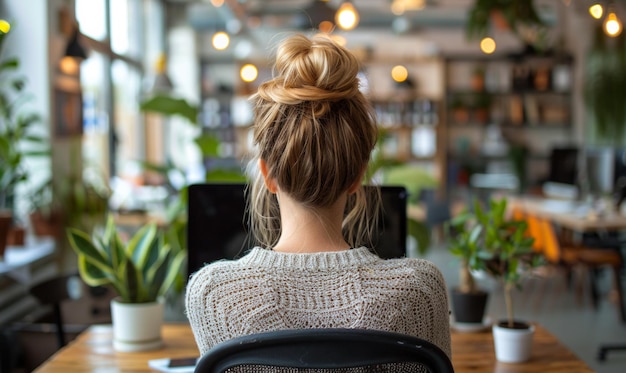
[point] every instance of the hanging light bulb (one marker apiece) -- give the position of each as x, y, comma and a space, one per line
347, 17
74, 54
488, 45
399, 73
220, 40
612, 25
248, 73
596, 11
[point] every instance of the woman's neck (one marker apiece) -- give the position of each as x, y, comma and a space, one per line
307, 230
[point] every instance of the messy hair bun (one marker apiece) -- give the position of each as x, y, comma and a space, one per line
308, 70
314, 129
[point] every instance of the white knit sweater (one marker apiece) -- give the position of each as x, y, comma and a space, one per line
267, 290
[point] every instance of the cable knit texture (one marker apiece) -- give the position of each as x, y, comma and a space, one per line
267, 290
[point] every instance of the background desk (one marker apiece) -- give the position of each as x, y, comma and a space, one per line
571, 215
92, 351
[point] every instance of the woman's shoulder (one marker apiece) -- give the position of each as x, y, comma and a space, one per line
418, 268
416, 263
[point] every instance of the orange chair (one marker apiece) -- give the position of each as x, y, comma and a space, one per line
534, 230
517, 213
590, 258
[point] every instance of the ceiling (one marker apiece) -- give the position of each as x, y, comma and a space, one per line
301, 14
260, 20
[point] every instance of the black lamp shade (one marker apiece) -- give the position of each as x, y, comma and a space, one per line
74, 49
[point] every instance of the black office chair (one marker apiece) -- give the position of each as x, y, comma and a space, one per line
54, 291
325, 350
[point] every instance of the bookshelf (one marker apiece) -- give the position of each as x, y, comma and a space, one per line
526, 97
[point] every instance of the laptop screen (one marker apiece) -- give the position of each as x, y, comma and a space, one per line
217, 223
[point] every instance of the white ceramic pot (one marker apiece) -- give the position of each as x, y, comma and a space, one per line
136, 326
512, 345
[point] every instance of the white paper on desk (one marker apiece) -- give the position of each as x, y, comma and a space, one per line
162, 365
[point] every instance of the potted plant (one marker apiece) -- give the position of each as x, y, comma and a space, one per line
460, 112
140, 270
19, 137
468, 301
508, 256
482, 107
521, 17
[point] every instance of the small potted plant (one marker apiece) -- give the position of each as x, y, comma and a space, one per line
508, 257
140, 270
468, 300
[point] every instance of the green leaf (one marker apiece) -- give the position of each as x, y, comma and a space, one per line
167, 105
93, 275
421, 233
82, 244
173, 271
227, 176
10, 64
209, 145
138, 247
157, 273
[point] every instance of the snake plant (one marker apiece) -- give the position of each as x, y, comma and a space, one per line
140, 270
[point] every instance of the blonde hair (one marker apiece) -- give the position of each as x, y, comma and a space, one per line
316, 131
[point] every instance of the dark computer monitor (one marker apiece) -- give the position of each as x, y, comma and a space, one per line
217, 223
564, 166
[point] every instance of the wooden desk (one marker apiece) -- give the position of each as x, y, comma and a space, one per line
570, 215
92, 351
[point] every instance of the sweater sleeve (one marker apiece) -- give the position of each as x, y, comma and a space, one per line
441, 322
195, 307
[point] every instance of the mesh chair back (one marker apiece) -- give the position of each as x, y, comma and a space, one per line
325, 350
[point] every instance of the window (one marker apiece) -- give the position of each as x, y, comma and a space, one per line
126, 35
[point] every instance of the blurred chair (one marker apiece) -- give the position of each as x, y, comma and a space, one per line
591, 258
328, 350
533, 227
53, 292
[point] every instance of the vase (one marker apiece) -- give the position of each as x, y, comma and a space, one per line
513, 345
136, 326
468, 307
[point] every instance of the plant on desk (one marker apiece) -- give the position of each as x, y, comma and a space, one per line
508, 257
468, 301
141, 271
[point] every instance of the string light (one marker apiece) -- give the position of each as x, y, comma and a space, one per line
399, 73
220, 40
488, 45
398, 7
347, 17
596, 11
612, 25
248, 73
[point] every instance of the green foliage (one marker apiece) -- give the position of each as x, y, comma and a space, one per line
465, 242
18, 129
140, 271
605, 95
486, 239
413, 178
169, 106
208, 145
520, 15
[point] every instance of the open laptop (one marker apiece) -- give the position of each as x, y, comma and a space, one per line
217, 223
